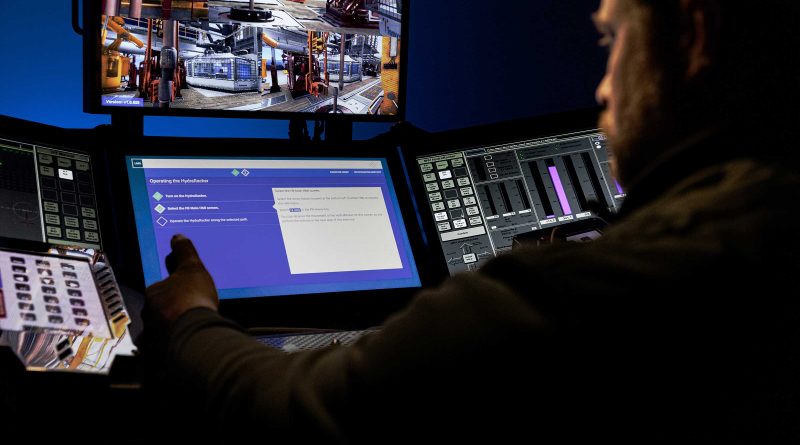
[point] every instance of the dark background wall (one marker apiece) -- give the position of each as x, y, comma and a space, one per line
470, 62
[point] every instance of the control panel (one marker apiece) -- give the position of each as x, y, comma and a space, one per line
481, 198
48, 195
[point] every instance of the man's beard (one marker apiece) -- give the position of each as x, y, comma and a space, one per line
645, 121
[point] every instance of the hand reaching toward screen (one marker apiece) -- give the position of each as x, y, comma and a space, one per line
188, 286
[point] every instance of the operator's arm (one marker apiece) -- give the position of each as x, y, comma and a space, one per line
439, 364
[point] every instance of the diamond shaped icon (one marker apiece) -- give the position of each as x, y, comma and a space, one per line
245, 172
235, 172
162, 221
160, 209
157, 196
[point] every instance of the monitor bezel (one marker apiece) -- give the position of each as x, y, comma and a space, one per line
338, 310
475, 137
92, 90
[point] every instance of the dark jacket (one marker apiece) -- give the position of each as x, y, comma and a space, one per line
679, 325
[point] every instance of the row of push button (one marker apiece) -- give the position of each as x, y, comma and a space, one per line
63, 162
442, 165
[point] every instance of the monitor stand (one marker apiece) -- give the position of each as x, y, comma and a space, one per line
129, 126
333, 131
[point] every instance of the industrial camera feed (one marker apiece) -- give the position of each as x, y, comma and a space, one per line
289, 56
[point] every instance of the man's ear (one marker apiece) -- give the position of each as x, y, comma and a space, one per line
699, 35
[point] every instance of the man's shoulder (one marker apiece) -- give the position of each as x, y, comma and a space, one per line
733, 198
729, 218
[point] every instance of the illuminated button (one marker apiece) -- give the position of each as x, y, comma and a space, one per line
441, 165
475, 220
470, 201
50, 206
88, 212
432, 187
435, 196
470, 258
457, 162
45, 159
443, 226
47, 171
73, 234
445, 174
463, 181
448, 184
54, 231
52, 219
64, 163
437, 206
441, 216
71, 221
428, 177
91, 237
89, 224
82, 166
460, 223
472, 211
453, 204
65, 174
466, 191
426, 167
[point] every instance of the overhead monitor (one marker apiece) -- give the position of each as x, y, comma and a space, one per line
339, 59
275, 226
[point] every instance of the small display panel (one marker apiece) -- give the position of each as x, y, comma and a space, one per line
482, 197
274, 226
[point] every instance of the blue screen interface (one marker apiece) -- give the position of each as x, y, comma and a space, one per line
274, 226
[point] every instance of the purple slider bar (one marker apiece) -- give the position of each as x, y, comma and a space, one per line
562, 195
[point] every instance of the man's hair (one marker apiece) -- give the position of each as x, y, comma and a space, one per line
755, 59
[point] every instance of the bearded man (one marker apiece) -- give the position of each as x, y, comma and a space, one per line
680, 325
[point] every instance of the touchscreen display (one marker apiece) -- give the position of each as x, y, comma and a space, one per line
274, 226
482, 197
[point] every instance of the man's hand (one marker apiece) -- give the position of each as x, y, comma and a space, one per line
188, 286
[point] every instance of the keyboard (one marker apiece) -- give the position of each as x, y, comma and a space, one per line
309, 341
